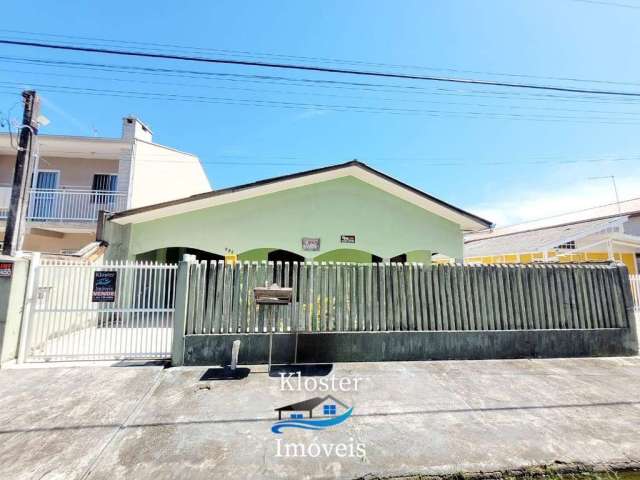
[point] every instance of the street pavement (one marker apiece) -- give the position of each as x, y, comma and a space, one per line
146, 422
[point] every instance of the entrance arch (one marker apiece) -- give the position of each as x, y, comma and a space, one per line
284, 256
347, 255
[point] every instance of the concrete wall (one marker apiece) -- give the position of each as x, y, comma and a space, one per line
12, 292
77, 173
160, 174
632, 227
383, 224
405, 346
74, 172
55, 242
49, 241
7, 163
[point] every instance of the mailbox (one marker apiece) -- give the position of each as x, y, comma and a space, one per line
273, 295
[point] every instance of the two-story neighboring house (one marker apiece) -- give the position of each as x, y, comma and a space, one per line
76, 177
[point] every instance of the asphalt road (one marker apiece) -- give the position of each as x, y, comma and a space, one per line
408, 418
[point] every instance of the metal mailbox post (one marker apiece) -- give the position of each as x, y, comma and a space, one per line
273, 295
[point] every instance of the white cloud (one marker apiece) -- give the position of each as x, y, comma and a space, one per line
525, 203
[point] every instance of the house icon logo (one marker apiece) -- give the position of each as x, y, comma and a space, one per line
315, 413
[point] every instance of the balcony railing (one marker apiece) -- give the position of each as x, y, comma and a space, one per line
56, 205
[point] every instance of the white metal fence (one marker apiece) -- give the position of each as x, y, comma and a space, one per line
635, 291
64, 323
72, 205
5, 200
68, 205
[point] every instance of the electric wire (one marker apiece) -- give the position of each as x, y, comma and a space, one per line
316, 69
318, 106
187, 48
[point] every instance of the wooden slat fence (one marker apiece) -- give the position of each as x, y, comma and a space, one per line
338, 297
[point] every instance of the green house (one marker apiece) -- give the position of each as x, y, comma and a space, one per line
347, 212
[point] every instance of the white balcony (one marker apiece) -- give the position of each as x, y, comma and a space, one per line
66, 205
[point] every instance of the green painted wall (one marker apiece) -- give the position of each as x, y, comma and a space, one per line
419, 256
257, 255
382, 223
345, 255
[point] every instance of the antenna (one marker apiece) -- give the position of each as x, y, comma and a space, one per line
615, 187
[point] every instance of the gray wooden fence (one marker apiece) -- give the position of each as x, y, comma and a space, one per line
406, 297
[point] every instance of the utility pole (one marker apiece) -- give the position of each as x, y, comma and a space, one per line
22, 174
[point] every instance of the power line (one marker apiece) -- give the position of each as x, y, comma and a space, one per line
310, 58
309, 68
334, 84
609, 4
318, 106
162, 158
284, 92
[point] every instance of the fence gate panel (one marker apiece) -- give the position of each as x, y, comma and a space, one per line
128, 315
635, 292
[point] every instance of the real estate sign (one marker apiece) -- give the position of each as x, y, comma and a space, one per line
6, 269
104, 286
311, 244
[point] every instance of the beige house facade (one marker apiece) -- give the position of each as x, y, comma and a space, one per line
77, 177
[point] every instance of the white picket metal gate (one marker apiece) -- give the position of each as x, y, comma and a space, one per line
63, 323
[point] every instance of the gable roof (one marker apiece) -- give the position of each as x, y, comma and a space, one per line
539, 239
354, 168
629, 207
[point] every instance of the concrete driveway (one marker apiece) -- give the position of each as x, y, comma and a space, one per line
408, 418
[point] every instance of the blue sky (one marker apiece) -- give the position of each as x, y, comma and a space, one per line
472, 146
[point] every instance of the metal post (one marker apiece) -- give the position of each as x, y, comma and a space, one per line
270, 334
30, 297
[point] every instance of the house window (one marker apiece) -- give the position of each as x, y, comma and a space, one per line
567, 246
297, 415
329, 410
104, 183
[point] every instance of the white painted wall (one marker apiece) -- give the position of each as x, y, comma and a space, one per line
160, 174
632, 227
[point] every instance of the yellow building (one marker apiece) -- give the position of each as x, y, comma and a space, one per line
614, 237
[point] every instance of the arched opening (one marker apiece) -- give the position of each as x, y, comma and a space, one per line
440, 259
284, 256
175, 254
347, 255
413, 256
402, 258
255, 255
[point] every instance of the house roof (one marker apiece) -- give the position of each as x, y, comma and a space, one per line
540, 239
466, 220
629, 207
70, 146
309, 404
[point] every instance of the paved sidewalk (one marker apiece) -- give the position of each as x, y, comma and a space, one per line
416, 417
